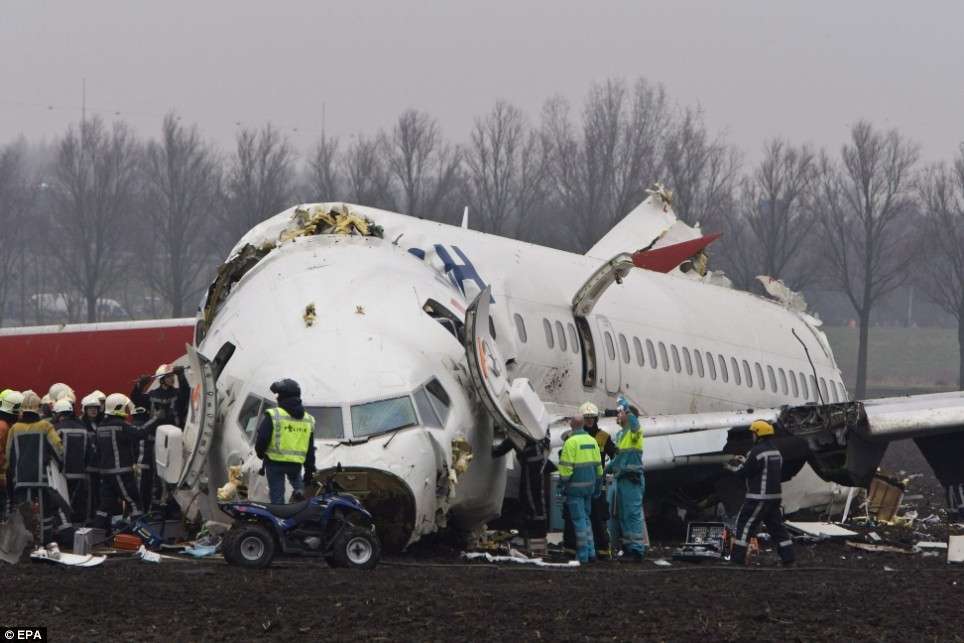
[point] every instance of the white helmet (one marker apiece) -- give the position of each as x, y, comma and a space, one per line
11, 401
588, 409
91, 400
163, 369
61, 391
118, 404
30, 403
46, 400
63, 406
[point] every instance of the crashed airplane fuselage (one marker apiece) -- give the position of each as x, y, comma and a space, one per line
373, 326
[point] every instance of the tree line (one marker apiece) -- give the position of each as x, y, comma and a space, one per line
104, 223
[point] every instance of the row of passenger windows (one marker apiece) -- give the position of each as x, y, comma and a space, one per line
556, 334
716, 366
702, 364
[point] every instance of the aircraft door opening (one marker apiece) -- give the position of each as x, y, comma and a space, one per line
610, 357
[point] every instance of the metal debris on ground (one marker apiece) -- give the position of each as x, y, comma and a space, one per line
14, 538
878, 548
820, 530
955, 549
515, 557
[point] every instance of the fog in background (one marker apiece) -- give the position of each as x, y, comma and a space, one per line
802, 70
137, 144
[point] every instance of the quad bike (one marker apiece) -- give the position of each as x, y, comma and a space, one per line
333, 525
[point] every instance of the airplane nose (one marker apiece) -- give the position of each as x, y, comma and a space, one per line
386, 496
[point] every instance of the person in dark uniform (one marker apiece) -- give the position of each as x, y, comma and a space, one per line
117, 442
532, 489
763, 470
145, 457
78, 457
168, 401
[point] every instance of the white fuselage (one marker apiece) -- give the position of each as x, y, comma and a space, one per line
655, 336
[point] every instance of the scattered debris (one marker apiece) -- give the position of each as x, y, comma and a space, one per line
310, 315
704, 541
878, 548
147, 556
516, 557
662, 562
778, 290
874, 536
52, 554
884, 497
14, 538
821, 530
922, 545
955, 549
234, 488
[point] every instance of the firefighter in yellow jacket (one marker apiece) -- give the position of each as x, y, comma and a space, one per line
580, 475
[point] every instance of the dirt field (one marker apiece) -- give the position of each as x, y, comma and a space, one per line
835, 592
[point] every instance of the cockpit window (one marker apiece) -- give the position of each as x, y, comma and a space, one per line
328, 422
373, 418
425, 410
439, 398
250, 415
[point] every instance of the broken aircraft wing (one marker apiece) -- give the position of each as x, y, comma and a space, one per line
845, 441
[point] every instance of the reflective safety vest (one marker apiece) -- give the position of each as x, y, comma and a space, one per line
290, 438
629, 442
580, 464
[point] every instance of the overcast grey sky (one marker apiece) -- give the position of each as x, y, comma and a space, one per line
804, 70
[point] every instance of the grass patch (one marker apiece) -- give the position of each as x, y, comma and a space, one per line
899, 358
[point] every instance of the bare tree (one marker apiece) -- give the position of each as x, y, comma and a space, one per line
369, 182
324, 179
864, 209
700, 170
424, 165
507, 169
769, 231
599, 173
181, 184
259, 182
95, 182
15, 201
942, 196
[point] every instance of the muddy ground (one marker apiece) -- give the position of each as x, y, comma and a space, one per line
835, 592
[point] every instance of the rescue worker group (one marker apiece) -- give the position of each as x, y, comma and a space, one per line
106, 455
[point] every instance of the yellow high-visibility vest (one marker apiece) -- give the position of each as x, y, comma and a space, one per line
290, 438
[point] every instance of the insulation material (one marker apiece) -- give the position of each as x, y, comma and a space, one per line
234, 488
516, 557
336, 219
779, 291
955, 549
883, 498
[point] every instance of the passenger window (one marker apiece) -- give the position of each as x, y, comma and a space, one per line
439, 398
759, 377
663, 357
426, 412
803, 386
610, 349
573, 339
638, 348
676, 364
823, 389
773, 378
548, 328
735, 367
813, 387
833, 391
699, 363
520, 328
652, 353
793, 385
711, 365
624, 348
783, 382
688, 361
561, 336
723, 372
843, 392
747, 374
